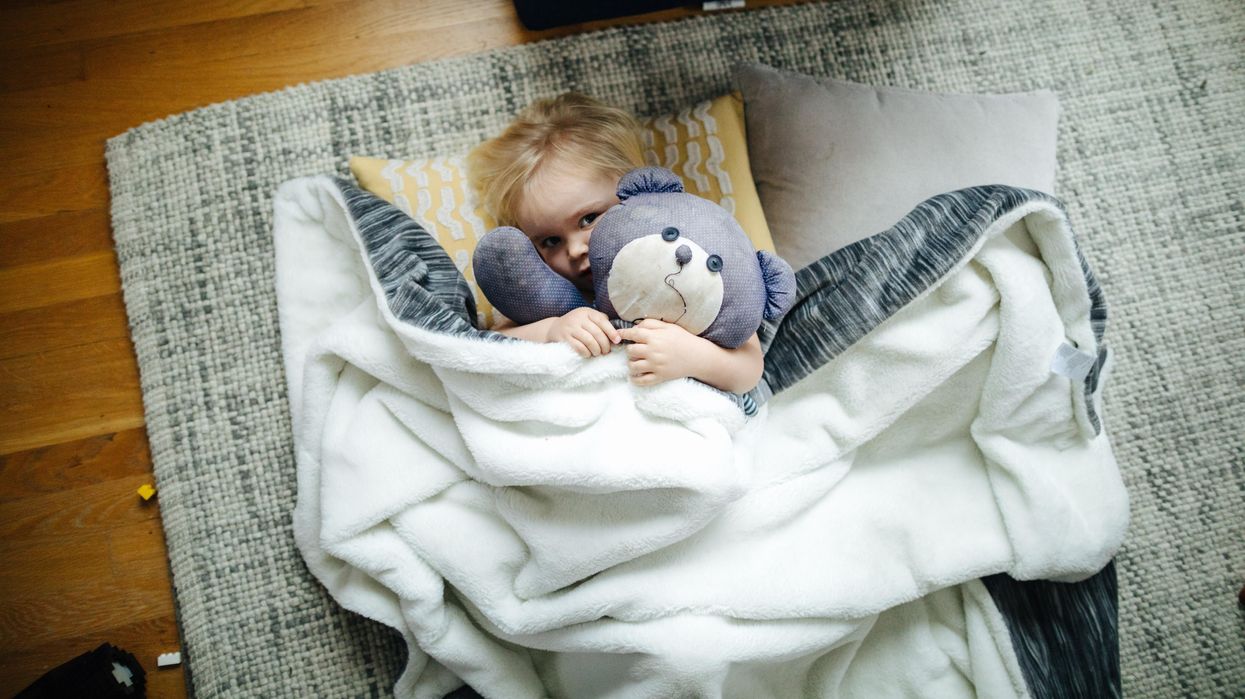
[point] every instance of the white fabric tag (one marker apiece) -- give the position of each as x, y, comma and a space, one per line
1071, 362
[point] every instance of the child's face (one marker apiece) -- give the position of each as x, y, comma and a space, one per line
557, 211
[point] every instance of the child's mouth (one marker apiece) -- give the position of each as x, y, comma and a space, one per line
584, 281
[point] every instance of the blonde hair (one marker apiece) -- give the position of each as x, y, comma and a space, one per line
604, 138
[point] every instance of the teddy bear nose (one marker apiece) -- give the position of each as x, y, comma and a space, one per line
683, 255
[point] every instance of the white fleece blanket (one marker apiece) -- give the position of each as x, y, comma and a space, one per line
536, 526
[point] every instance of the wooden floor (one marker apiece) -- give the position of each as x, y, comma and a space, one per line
82, 557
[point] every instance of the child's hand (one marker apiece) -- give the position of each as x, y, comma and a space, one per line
661, 351
587, 330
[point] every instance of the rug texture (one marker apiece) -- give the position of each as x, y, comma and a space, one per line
1151, 134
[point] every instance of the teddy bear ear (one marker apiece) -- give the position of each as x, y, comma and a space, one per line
648, 180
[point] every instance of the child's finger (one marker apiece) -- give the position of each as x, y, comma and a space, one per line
585, 341
608, 328
637, 351
598, 336
590, 340
639, 366
579, 347
644, 379
635, 334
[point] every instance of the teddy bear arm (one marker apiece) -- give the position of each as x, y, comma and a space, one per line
517, 281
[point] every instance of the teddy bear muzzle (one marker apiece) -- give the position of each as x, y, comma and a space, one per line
649, 280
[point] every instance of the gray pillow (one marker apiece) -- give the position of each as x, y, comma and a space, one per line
836, 161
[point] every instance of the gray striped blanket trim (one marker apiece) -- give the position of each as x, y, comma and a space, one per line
844, 295
422, 285
1065, 635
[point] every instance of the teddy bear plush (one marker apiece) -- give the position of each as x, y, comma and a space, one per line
660, 253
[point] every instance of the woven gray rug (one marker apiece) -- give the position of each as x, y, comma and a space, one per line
1152, 168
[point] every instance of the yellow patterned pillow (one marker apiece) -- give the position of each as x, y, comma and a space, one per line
706, 145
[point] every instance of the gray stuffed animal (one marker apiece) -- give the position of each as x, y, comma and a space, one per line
660, 253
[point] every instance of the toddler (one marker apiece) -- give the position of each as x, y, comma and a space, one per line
550, 174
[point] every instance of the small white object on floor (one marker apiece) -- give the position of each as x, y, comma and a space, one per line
169, 659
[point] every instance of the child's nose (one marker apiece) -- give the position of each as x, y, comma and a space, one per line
579, 245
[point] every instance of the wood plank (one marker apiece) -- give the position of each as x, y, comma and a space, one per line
68, 466
277, 50
74, 20
89, 107
31, 150
69, 568
74, 109
95, 582
31, 3
71, 578
63, 325
67, 234
93, 508
49, 566
46, 67
248, 40
68, 394
138, 551
62, 188
126, 92
146, 639
32, 620
129, 61
59, 281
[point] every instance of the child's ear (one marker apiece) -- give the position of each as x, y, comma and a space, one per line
648, 180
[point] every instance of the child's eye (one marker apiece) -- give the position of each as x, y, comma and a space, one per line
587, 220
551, 242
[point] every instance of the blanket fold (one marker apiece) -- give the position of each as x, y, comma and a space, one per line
535, 525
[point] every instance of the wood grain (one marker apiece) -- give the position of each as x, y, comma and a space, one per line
83, 560
67, 467
58, 236
54, 190
82, 557
63, 326
68, 393
41, 24
97, 508
58, 281
56, 66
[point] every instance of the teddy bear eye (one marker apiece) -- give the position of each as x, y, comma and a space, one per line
670, 233
714, 263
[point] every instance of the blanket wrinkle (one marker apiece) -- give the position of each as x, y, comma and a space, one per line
534, 525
